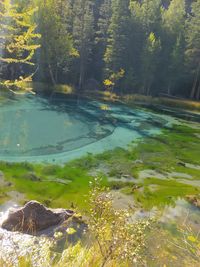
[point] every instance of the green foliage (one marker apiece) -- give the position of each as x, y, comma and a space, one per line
173, 20
119, 239
116, 51
192, 51
68, 185
150, 61
83, 34
18, 41
113, 79
57, 45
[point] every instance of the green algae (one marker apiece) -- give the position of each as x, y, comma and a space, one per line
167, 152
165, 193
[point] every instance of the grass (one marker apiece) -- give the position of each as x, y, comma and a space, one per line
169, 102
132, 99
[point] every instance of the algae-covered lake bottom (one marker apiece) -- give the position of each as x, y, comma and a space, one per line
58, 129
150, 161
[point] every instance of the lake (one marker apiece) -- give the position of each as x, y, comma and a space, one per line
58, 129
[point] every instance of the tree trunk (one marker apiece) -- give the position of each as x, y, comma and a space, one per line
56, 74
148, 90
192, 94
198, 92
51, 75
81, 77
169, 89
149, 87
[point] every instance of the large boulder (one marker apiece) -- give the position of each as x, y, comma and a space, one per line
34, 217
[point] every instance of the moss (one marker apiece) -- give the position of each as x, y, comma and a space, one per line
45, 189
165, 193
163, 153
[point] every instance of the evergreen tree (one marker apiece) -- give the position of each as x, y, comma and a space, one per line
145, 19
149, 61
153, 43
102, 35
116, 54
173, 43
193, 48
147, 14
83, 34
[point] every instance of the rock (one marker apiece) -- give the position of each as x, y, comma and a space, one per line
138, 161
3, 182
135, 188
34, 217
15, 196
194, 200
32, 177
181, 164
126, 176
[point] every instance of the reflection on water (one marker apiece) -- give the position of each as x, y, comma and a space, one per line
34, 126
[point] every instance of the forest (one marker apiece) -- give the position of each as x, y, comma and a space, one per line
149, 47
99, 133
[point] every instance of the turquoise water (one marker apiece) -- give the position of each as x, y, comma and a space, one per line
35, 128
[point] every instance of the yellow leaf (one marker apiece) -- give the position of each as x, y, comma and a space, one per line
71, 231
108, 82
192, 238
104, 107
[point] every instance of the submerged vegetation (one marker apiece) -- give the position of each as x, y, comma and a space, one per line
169, 161
146, 179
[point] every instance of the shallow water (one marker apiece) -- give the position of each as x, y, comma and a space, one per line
41, 129
51, 129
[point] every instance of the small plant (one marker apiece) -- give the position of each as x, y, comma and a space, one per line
119, 238
189, 241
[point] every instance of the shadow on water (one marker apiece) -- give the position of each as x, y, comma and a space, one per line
70, 123
175, 112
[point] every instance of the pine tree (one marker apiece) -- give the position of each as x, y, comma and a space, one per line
101, 36
83, 35
17, 42
116, 54
193, 48
149, 61
147, 14
145, 19
173, 43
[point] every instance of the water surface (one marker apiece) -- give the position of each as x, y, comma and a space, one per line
34, 128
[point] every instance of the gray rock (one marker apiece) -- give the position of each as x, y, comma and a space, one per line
194, 200
33, 177
34, 217
138, 161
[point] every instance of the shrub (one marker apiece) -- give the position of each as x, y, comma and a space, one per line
120, 239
